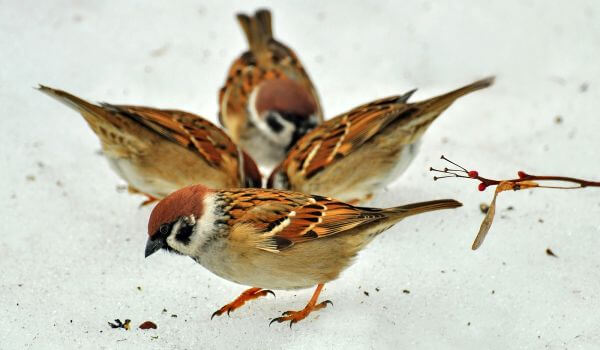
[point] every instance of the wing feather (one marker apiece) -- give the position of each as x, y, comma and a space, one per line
187, 129
281, 219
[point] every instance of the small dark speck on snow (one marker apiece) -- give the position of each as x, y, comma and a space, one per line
549, 252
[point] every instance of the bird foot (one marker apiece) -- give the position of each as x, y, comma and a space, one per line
151, 199
358, 201
252, 293
296, 316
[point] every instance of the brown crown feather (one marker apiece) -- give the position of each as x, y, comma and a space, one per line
286, 96
183, 202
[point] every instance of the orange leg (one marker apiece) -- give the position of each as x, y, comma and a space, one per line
248, 294
151, 198
357, 201
295, 316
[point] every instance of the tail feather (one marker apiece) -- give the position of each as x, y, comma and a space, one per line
444, 101
74, 102
404, 98
258, 29
105, 125
422, 207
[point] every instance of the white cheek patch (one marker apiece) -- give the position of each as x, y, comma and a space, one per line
205, 226
283, 137
203, 230
172, 241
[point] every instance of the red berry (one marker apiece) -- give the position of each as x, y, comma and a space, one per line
473, 174
482, 187
521, 174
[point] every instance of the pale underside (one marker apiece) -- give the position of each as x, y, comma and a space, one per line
303, 265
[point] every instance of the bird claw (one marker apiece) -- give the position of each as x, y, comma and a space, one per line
283, 319
276, 319
296, 316
252, 293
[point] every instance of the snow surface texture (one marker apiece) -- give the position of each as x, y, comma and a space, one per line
72, 244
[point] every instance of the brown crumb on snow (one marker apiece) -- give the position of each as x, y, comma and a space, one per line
558, 119
366, 293
148, 325
406, 291
30, 178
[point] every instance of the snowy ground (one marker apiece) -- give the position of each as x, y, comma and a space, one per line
71, 253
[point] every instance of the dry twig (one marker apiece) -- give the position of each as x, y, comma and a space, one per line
523, 181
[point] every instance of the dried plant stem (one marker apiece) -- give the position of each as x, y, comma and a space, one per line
581, 183
522, 182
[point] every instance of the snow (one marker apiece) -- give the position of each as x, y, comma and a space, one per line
72, 252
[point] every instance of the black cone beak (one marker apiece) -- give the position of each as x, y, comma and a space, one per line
153, 245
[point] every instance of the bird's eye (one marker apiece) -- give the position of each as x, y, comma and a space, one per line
164, 229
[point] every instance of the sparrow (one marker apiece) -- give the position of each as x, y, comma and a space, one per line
158, 151
270, 239
268, 101
356, 154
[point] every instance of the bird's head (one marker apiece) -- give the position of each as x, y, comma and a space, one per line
173, 224
283, 111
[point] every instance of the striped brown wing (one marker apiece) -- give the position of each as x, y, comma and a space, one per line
338, 137
187, 129
280, 219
